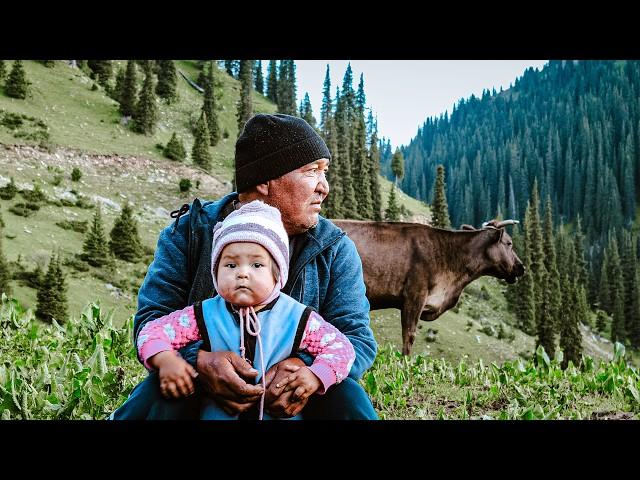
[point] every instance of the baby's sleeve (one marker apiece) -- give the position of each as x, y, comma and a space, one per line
170, 332
333, 352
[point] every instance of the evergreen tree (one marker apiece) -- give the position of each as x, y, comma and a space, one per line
52, 293
209, 107
306, 111
3, 71
631, 288
272, 82
440, 209
349, 207
95, 250
616, 282
287, 88
544, 319
129, 90
125, 242
167, 81
360, 159
397, 165
245, 103
552, 285
116, 93
570, 336
175, 149
392, 213
332, 205
374, 163
231, 66
200, 152
259, 78
5, 273
102, 70
146, 113
17, 85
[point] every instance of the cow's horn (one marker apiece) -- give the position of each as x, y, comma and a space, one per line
486, 225
504, 223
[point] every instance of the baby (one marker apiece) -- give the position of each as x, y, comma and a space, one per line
250, 263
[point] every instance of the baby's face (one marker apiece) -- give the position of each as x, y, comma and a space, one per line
245, 274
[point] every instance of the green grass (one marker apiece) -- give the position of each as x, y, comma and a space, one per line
420, 211
88, 120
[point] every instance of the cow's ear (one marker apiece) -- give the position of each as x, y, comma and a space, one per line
467, 227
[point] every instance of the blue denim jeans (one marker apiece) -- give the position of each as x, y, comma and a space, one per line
346, 400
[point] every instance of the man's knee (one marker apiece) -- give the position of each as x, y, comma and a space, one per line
346, 400
147, 403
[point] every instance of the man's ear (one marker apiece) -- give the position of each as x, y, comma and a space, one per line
263, 189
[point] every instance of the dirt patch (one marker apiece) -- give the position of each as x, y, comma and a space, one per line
612, 416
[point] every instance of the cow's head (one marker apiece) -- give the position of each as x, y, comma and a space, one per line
497, 246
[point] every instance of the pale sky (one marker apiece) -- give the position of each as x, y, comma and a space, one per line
404, 93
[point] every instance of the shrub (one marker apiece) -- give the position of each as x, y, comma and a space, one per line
8, 191
76, 263
79, 226
24, 209
185, 185
76, 175
34, 196
57, 180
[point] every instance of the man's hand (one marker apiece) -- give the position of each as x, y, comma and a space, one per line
276, 402
174, 373
302, 382
223, 374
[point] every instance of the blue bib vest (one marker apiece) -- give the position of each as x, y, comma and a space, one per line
281, 329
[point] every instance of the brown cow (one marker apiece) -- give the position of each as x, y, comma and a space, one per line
422, 270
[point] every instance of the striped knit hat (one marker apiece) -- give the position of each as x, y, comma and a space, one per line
255, 222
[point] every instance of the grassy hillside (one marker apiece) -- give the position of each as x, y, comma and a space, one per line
85, 119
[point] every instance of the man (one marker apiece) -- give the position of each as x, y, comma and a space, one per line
281, 160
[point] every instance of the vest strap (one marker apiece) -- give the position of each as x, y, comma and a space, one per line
202, 327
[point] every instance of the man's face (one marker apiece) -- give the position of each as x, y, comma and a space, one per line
299, 194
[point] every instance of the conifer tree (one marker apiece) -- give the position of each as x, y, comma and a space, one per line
374, 163
551, 266
332, 205
526, 306
175, 149
3, 71
5, 273
209, 107
259, 86
116, 92
17, 85
570, 336
102, 70
360, 156
631, 291
146, 113
125, 242
128, 97
440, 209
397, 165
167, 81
392, 213
245, 103
287, 88
200, 152
306, 111
231, 66
52, 293
616, 283
95, 249
272, 82
349, 206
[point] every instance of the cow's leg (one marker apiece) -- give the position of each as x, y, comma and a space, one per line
410, 314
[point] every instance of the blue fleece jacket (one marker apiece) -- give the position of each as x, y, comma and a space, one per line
326, 275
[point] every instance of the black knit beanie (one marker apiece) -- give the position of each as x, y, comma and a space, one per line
273, 145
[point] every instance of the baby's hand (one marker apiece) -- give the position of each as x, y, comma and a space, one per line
303, 381
175, 374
